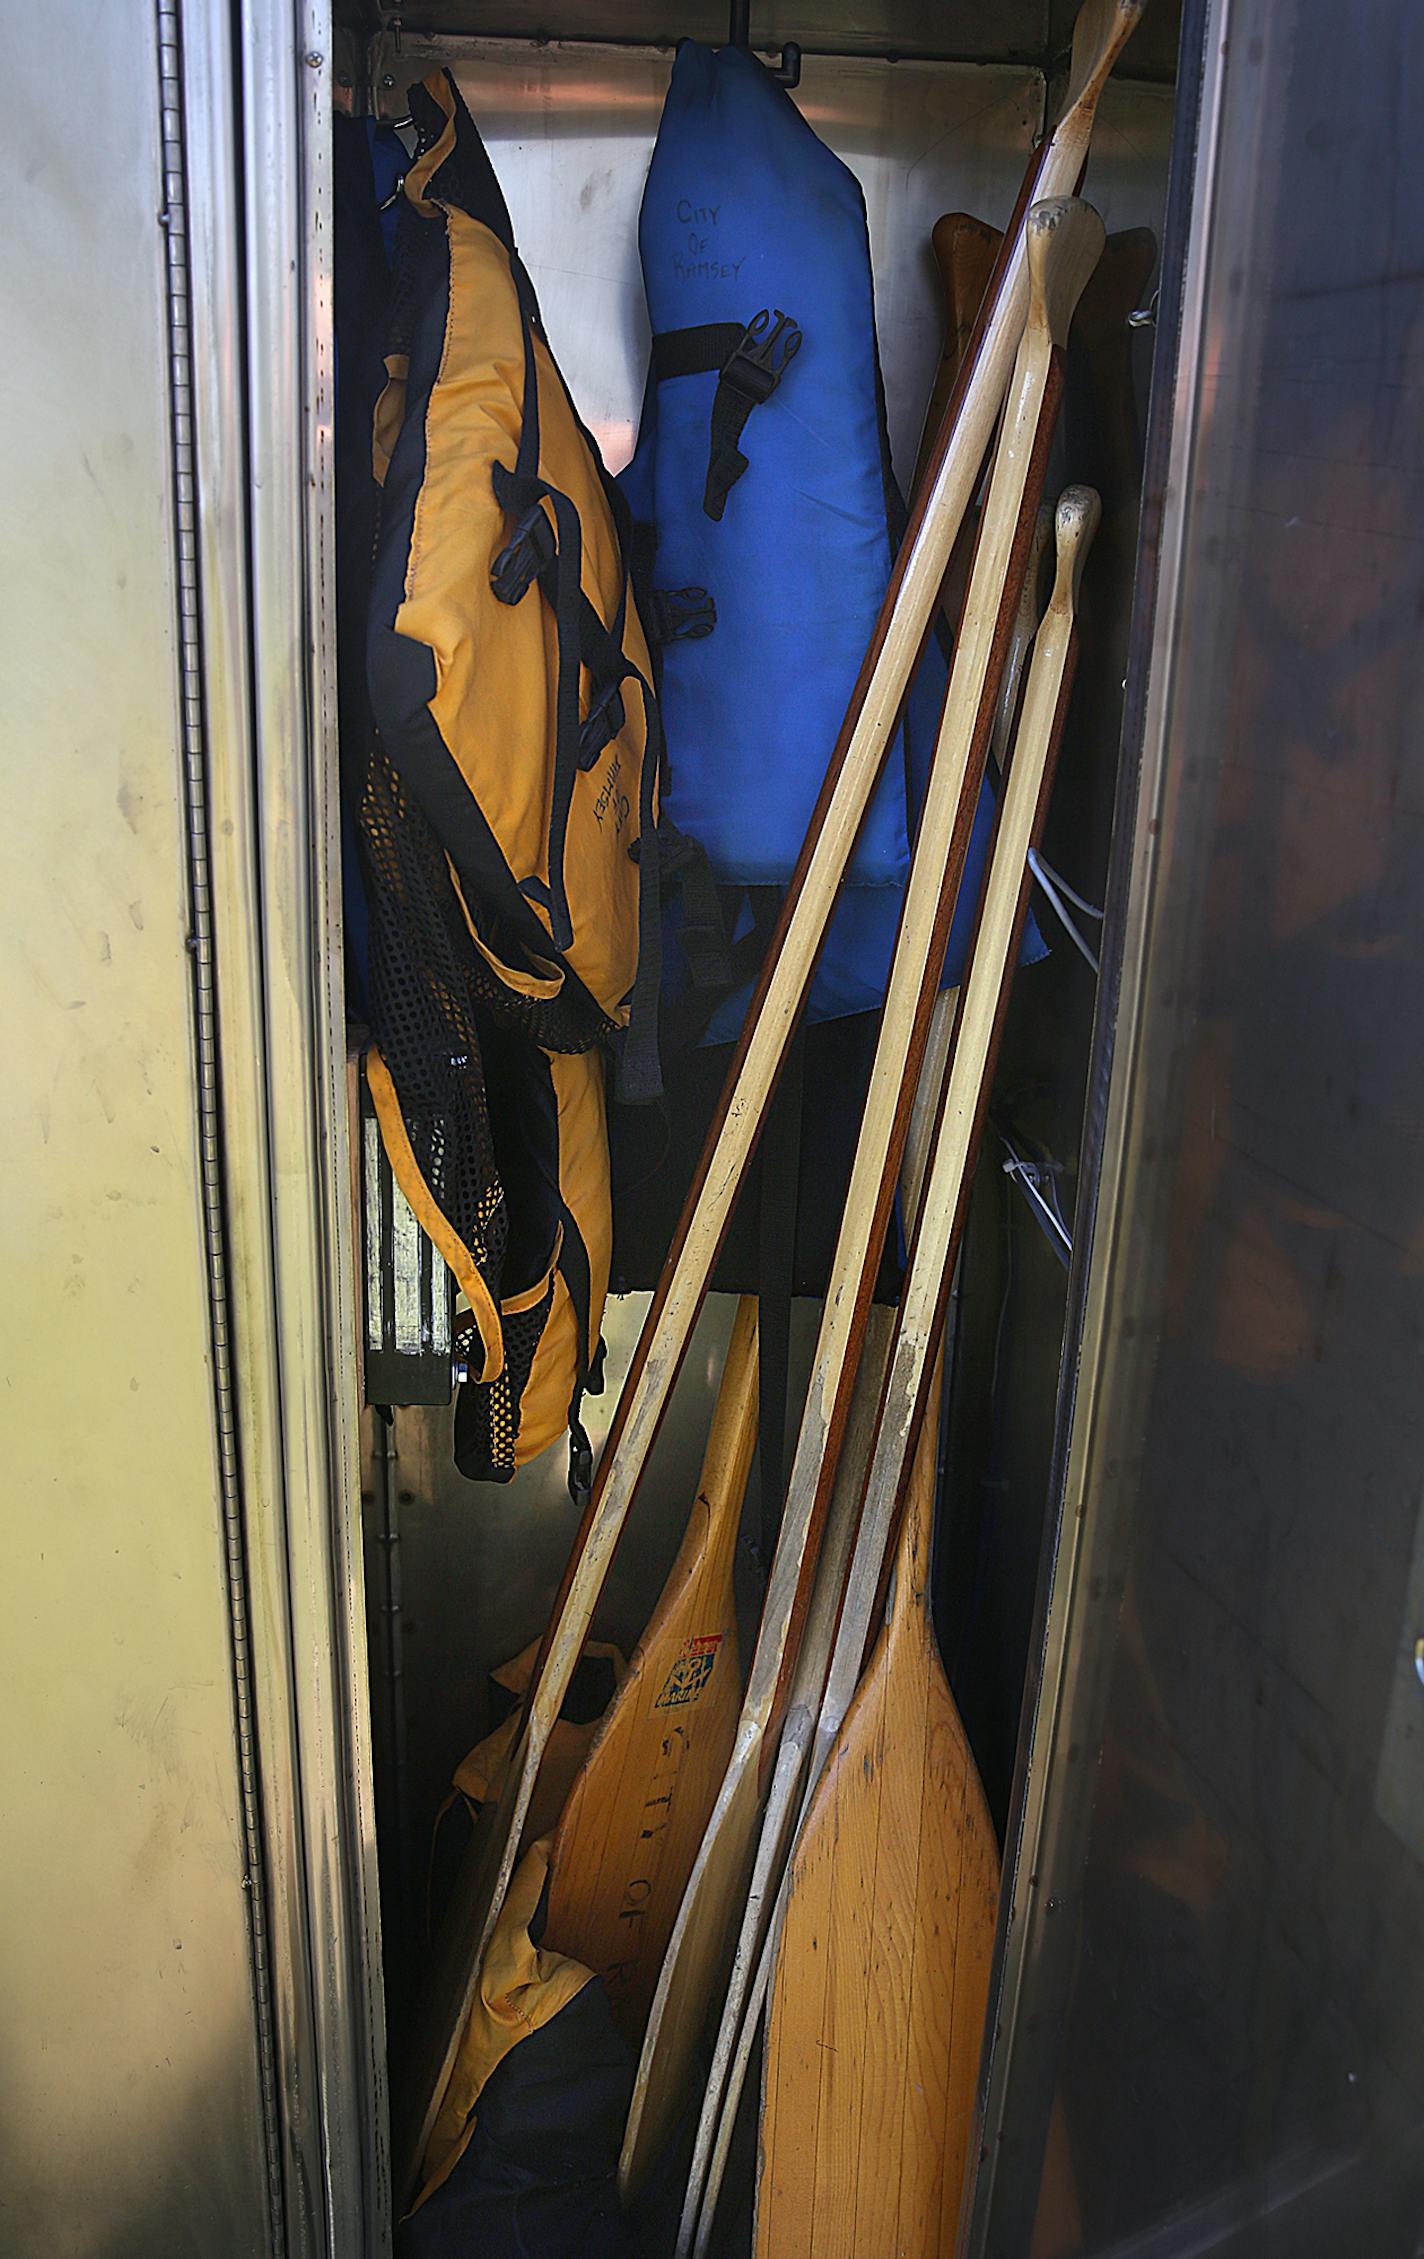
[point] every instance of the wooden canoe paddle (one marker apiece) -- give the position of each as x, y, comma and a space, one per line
882, 1967
636, 1812
1021, 635
855, 763
817, 1645
1064, 238
964, 252
747, 1983
884, 1941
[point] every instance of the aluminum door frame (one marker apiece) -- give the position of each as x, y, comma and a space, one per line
251, 150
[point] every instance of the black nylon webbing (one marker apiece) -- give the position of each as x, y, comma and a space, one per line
697, 350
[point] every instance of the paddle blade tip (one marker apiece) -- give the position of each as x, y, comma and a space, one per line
1065, 242
1075, 521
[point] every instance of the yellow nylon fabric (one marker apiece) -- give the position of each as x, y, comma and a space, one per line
496, 665
583, 1180
521, 1988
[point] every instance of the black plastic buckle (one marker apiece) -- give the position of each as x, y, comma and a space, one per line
529, 551
580, 1465
601, 724
683, 615
769, 344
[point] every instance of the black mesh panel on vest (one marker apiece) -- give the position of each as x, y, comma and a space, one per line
571, 1021
487, 1418
425, 1015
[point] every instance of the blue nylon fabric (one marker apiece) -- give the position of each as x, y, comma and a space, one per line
745, 208
853, 970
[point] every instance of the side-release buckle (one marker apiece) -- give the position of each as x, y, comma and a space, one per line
682, 615
769, 344
529, 551
580, 1465
747, 379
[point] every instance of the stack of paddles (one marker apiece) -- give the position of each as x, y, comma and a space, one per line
822, 1864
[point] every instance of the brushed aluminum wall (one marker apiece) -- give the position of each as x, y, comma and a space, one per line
193, 2056
129, 2075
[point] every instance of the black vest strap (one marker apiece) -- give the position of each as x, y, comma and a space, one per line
750, 364
551, 553
695, 351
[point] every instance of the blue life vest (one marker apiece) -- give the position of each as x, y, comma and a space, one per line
763, 470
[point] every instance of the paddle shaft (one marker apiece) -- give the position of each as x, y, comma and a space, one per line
968, 1081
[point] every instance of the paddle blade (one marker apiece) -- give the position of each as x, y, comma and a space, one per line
882, 1971
964, 250
638, 1809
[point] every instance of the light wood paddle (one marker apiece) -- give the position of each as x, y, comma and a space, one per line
747, 1986
636, 1812
882, 1967
782, 1797
885, 1936
1065, 237
855, 763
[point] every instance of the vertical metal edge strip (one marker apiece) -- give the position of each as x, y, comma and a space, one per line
994, 2222
191, 410
340, 1368
284, 68
264, 543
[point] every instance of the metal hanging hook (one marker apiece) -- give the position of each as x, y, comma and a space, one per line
739, 34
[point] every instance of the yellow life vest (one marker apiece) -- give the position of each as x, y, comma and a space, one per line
509, 811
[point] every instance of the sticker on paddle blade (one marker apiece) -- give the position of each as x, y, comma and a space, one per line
690, 1672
